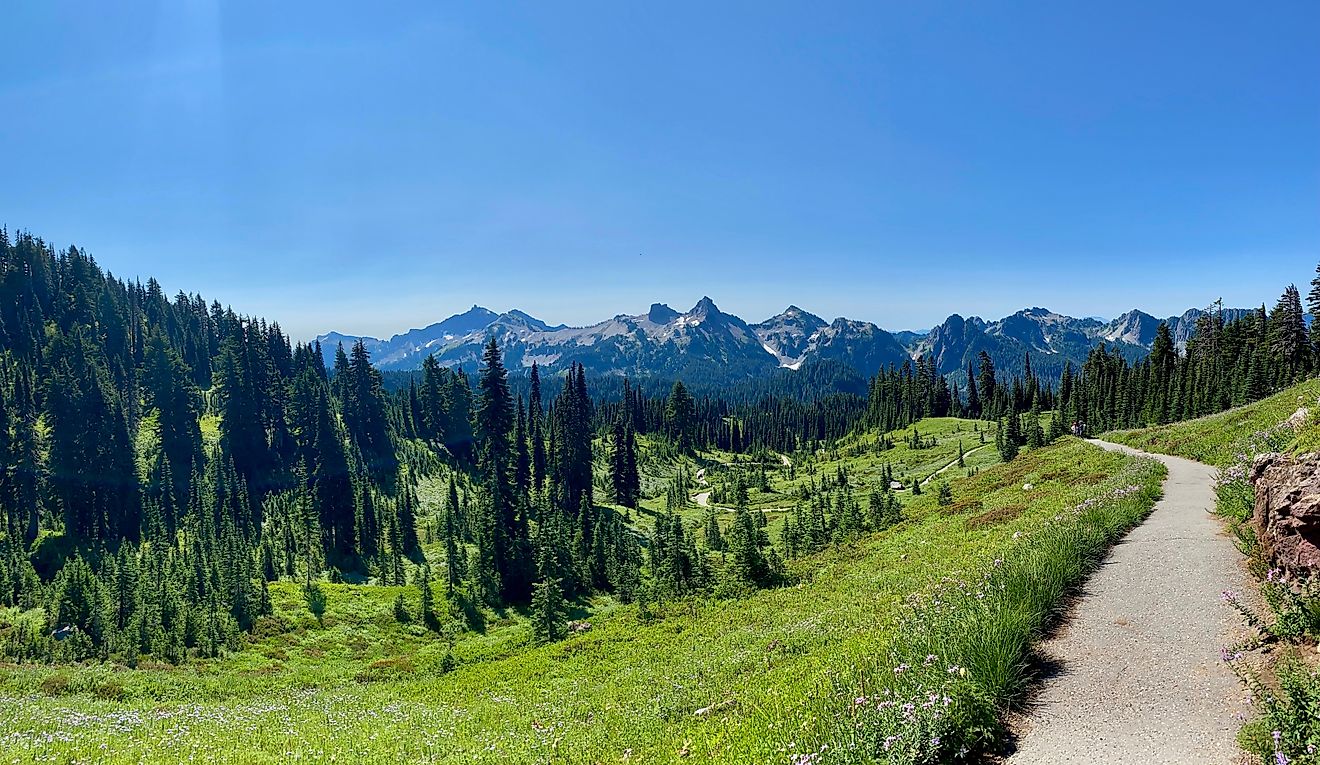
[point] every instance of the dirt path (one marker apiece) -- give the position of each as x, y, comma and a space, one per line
702, 498
931, 477
1137, 676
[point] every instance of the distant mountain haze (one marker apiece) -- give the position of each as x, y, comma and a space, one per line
709, 343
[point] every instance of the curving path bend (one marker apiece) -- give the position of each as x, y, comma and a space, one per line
1138, 676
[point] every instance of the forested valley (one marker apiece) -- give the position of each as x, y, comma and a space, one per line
166, 459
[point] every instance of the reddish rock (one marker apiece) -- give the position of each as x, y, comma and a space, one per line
1287, 511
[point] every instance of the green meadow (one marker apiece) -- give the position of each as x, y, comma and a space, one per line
904, 646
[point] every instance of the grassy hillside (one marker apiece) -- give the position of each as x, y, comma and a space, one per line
1221, 439
862, 457
938, 611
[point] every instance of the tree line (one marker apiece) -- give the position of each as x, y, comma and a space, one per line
164, 459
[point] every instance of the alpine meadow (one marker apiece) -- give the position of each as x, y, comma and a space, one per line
252, 518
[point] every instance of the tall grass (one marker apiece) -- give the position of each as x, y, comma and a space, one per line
963, 653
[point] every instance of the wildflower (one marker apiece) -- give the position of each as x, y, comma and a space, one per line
1228, 596
935, 741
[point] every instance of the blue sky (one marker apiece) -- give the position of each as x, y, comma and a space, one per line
372, 167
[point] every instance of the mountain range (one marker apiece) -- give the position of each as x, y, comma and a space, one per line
708, 344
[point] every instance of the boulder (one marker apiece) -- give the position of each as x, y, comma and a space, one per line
1287, 511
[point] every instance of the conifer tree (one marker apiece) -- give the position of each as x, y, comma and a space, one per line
494, 430
1288, 339
1313, 305
711, 530
453, 561
1009, 437
624, 479
746, 562
432, 418
536, 433
1035, 437
407, 520
427, 598
680, 417
549, 611
988, 387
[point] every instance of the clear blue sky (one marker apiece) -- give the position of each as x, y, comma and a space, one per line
369, 167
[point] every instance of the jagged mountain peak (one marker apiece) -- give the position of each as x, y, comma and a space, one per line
1135, 326
704, 307
794, 317
660, 313
522, 319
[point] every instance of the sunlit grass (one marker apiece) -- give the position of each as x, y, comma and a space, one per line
776, 673
1219, 439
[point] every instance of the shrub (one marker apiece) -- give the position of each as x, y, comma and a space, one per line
1288, 728
315, 597
994, 517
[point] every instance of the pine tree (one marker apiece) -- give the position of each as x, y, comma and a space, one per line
618, 484
365, 416
427, 597
401, 614
711, 530
746, 563
1009, 436
536, 434
680, 417
1056, 429
549, 611
494, 429
1035, 437
1288, 339
988, 388
453, 561
407, 520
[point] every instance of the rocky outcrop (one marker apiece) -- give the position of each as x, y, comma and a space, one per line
1287, 511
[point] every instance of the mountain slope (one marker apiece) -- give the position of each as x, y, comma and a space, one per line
1053, 340
408, 349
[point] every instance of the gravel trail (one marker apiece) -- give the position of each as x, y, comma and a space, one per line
1135, 674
